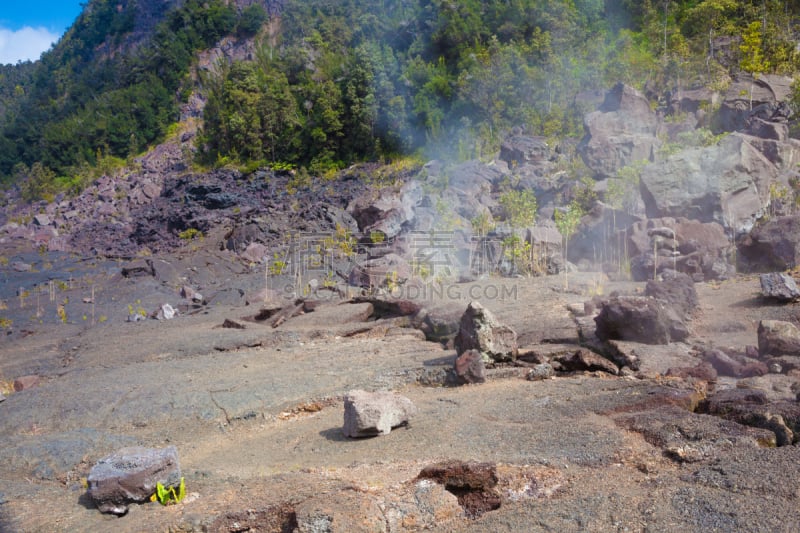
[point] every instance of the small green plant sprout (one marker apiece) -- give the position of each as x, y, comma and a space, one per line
341, 243
168, 495
62, 313
483, 224
137, 309
567, 221
392, 281
191, 234
421, 268
376, 237
277, 265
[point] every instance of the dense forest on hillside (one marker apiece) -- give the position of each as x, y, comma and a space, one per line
351, 80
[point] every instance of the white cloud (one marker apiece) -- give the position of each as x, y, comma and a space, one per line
24, 44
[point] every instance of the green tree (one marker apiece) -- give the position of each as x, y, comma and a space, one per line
567, 221
753, 60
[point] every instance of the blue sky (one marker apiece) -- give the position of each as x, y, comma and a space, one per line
29, 27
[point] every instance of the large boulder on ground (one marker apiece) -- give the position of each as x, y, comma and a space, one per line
479, 330
369, 414
623, 130
639, 319
779, 286
777, 337
726, 183
130, 475
772, 246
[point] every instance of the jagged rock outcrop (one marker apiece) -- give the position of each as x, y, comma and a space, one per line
623, 130
388, 211
702, 250
727, 183
747, 98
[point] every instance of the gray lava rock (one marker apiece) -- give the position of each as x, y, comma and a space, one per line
479, 330
130, 476
540, 372
522, 149
725, 183
779, 286
368, 414
776, 337
388, 211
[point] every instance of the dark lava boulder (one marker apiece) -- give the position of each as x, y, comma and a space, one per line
677, 290
639, 319
772, 246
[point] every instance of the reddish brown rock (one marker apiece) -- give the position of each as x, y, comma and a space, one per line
472, 483
703, 371
586, 360
469, 367
26, 382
